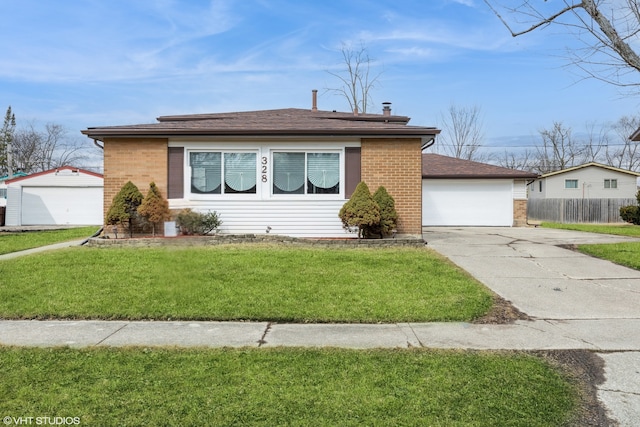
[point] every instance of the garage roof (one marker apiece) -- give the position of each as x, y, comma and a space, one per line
439, 166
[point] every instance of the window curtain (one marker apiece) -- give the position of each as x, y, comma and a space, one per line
288, 173
206, 172
240, 171
323, 169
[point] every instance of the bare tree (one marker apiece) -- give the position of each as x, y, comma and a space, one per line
522, 161
607, 28
462, 133
356, 78
558, 151
36, 151
596, 143
624, 153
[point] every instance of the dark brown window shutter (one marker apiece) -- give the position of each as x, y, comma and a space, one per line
176, 173
351, 170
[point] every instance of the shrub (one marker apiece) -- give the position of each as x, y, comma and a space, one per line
360, 211
388, 214
124, 208
191, 222
631, 214
154, 208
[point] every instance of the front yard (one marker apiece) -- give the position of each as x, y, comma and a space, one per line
265, 387
241, 282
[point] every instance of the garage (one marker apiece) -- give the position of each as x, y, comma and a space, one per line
61, 196
61, 206
467, 202
458, 192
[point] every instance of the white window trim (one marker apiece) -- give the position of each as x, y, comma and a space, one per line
341, 164
222, 195
571, 188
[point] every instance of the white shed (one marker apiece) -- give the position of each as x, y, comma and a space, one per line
62, 196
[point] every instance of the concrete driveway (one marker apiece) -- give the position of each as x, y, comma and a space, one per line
590, 299
528, 267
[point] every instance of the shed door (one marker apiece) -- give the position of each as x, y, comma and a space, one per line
467, 202
61, 205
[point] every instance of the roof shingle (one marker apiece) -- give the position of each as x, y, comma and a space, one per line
438, 166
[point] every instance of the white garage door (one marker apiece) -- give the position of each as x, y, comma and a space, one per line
61, 205
467, 202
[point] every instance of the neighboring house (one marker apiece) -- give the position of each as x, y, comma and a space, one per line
458, 192
62, 196
288, 171
3, 186
587, 181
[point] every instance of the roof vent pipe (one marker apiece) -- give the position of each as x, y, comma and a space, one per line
314, 100
386, 108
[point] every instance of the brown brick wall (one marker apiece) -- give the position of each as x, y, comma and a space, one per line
519, 213
397, 165
140, 161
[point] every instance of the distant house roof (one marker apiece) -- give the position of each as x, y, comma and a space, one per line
282, 122
590, 164
438, 166
15, 175
56, 170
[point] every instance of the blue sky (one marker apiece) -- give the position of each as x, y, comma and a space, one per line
95, 62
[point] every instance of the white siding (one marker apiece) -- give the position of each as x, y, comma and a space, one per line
14, 206
519, 190
311, 215
590, 185
301, 218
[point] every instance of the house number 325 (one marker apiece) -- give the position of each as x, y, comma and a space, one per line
264, 169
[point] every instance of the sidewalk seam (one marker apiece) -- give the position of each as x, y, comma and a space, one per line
111, 334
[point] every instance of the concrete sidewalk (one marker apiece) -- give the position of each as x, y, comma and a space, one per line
523, 335
55, 246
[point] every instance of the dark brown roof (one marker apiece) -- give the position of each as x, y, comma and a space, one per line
438, 166
290, 121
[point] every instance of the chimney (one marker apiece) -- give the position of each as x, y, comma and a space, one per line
386, 108
314, 100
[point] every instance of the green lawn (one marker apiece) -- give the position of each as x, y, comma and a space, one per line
297, 387
617, 229
627, 254
241, 282
14, 242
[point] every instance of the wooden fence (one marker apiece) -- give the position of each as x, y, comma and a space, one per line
577, 210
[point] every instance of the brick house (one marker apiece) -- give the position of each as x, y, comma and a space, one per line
287, 170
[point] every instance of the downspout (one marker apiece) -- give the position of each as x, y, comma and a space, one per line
529, 182
95, 142
426, 143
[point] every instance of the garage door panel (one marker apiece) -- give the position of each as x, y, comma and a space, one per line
467, 202
61, 205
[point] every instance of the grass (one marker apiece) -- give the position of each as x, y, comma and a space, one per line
241, 282
267, 387
617, 229
626, 253
14, 242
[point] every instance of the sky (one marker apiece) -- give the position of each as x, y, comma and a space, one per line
88, 63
